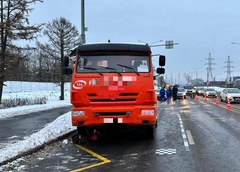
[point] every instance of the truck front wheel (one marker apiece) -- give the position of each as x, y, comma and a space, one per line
82, 131
150, 130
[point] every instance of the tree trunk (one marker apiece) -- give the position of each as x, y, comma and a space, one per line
62, 88
62, 77
1, 89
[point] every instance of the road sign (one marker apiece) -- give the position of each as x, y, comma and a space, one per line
169, 44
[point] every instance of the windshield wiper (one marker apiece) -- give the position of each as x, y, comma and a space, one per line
112, 70
129, 68
91, 68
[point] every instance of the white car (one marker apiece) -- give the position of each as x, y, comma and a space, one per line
209, 92
200, 91
181, 93
233, 94
189, 89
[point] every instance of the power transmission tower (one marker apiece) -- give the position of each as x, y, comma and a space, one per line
228, 69
209, 68
179, 78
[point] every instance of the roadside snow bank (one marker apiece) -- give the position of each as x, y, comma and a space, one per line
61, 126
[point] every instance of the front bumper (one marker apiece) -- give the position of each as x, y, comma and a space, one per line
130, 115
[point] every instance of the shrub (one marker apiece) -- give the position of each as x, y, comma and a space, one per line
16, 101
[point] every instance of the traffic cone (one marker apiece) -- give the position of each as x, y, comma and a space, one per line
196, 97
229, 105
182, 97
205, 98
217, 102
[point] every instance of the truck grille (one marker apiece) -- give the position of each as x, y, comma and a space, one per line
123, 97
112, 100
112, 113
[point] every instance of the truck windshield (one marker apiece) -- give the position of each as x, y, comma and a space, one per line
113, 63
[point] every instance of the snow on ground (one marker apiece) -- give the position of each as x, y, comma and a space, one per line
60, 126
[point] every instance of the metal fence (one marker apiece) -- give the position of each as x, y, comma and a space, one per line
18, 86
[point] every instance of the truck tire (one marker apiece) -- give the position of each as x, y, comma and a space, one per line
82, 131
150, 130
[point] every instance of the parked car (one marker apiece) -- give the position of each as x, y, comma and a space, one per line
181, 93
233, 94
209, 92
200, 91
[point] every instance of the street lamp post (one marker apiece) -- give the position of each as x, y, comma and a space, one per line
83, 28
197, 74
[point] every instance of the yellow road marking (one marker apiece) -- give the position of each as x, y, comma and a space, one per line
104, 160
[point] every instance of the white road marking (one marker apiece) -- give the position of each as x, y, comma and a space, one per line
190, 138
165, 151
185, 141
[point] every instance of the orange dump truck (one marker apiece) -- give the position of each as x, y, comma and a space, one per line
113, 86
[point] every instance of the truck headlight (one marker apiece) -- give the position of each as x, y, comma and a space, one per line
147, 112
78, 113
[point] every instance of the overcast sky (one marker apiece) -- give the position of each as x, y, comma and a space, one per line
199, 26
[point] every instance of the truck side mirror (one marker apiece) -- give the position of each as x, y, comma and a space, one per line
162, 60
160, 70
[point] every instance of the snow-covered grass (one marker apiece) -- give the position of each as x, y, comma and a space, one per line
60, 126
21, 101
29, 98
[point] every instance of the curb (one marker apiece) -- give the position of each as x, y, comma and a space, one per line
36, 149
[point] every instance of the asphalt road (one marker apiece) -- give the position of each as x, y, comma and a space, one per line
192, 135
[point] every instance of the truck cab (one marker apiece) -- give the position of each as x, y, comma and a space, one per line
113, 85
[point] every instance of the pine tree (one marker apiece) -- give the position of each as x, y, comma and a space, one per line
62, 38
14, 26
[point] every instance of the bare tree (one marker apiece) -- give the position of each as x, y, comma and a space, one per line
62, 37
14, 26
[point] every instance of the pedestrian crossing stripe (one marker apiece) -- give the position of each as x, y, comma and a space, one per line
165, 151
